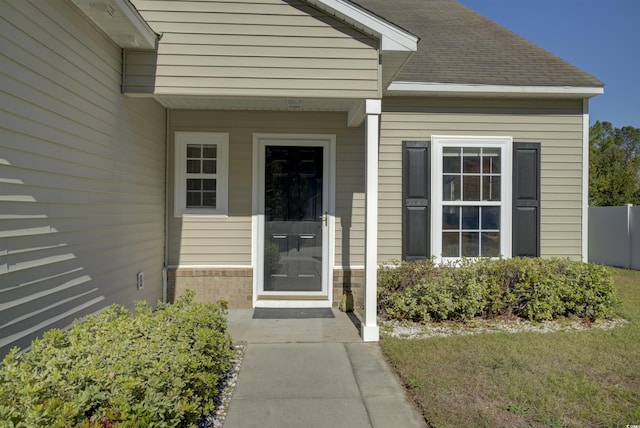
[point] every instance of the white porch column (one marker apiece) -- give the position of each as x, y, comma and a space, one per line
370, 331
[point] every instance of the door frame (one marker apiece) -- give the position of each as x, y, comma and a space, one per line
299, 299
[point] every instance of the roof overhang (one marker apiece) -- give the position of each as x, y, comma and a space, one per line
462, 90
392, 37
120, 20
396, 44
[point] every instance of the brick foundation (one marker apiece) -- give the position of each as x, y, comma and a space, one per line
345, 281
235, 285
212, 285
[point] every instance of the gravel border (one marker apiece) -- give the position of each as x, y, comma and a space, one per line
226, 386
408, 330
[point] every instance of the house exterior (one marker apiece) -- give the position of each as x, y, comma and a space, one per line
272, 153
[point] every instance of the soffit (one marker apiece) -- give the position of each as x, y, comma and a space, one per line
265, 104
120, 20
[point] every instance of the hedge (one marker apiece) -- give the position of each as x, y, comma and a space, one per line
151, 368
531, 288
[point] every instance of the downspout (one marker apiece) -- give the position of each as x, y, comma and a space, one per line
165, 267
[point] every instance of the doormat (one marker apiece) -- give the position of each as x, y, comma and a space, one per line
291, 313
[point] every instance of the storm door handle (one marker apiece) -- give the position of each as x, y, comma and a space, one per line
325, 218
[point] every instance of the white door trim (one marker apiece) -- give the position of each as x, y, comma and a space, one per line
260, 141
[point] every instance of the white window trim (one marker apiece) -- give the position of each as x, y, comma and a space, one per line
180, 173
441, 141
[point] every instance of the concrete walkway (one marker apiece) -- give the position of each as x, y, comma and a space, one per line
313, 373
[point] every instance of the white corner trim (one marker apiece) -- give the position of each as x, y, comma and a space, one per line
585, 180
392, 37
360, 109
373, 106
459, 89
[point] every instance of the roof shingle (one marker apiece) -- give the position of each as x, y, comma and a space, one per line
460, 46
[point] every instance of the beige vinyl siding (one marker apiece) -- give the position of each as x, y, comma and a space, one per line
246, 48
556, 124
220, 241
82, 174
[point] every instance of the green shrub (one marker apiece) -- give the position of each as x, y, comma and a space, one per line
530, 288
155, 368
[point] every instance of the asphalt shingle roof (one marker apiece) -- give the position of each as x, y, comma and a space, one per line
458, 45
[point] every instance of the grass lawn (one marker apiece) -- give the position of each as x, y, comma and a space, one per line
577, 379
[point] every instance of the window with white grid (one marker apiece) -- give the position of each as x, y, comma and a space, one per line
201, 173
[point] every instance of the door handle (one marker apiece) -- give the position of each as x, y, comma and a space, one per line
325, 218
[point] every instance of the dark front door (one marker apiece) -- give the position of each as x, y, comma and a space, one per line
294, 216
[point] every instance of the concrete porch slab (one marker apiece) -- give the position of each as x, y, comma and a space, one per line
313, 373
344, 327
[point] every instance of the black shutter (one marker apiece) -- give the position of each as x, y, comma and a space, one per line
416, 243
526, 200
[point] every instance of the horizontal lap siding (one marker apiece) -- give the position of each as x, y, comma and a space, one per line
557, 125
215, 241
82, 175
272, 48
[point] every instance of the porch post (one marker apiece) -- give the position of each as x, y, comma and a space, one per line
370, 331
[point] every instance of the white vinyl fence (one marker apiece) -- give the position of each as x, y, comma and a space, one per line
614, 236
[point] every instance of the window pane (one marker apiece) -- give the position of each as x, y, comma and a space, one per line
451, 160
451, 217
194, 151
308, 169
490, 244
193, 166
471, 191
470, 244
194, 184
470, 218
194, 199
210, 151
491, 218
491, 161
471, 160
209, 199
491, 188
209, 166
450, 244
209, 184
451, 188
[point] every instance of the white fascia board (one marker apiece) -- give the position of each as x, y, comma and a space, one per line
121, 21
392, 38
456, 89
148, 37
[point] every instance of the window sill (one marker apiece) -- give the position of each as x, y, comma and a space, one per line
201, 215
